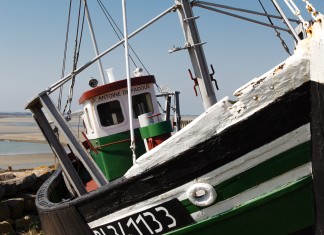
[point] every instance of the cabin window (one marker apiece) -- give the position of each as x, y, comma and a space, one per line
142, 103
110, 113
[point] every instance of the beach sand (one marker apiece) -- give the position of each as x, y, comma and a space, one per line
29, 132
24, 129
26, 161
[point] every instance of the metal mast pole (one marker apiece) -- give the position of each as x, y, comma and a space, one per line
129, 84
196, 53
94, 42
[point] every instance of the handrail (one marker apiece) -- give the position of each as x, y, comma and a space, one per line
153, 115
116, 142
89, 143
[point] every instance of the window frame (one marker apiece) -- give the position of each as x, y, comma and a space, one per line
148, 105
121, 109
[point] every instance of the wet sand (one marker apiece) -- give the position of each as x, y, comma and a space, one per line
26, 161
27, 129
27, 132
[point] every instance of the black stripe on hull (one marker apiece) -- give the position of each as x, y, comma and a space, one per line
317, 130
284, 115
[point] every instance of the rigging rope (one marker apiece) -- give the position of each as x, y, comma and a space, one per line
241, 17
64, 56
283, 43
196, 3
78, 40
77, 46
119, 34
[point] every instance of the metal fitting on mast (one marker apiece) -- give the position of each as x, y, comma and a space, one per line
196, 52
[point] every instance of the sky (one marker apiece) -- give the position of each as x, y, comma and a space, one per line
33, 36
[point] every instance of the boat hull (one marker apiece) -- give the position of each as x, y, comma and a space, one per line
267, 162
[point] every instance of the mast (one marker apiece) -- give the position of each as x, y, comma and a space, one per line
95, 46
129, 85
196, 53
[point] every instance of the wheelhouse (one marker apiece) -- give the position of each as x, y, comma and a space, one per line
106, 120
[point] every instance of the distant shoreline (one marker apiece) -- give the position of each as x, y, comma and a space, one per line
18, 139
15, 114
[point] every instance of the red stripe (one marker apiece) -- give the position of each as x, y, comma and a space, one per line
115, 86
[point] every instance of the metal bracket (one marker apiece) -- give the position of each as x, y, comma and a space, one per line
195, 81
191, 18
212, 77
186, 46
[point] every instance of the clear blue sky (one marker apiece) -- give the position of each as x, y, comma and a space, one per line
33, 34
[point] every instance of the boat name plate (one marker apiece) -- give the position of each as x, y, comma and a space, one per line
156, 220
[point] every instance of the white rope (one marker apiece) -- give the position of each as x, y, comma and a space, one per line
129, 85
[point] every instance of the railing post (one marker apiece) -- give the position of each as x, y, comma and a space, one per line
69, 171
43, 101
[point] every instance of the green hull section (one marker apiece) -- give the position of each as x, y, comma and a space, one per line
263, 172
114, 156
156, 129
285, 211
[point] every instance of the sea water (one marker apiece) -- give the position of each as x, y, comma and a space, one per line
15, 148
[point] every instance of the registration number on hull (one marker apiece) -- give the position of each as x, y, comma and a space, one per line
156, 220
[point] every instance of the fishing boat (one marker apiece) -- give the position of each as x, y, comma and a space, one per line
250, 166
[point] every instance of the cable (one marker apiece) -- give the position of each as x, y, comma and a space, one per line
64, 56
77, 47
115, 28
283, 43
